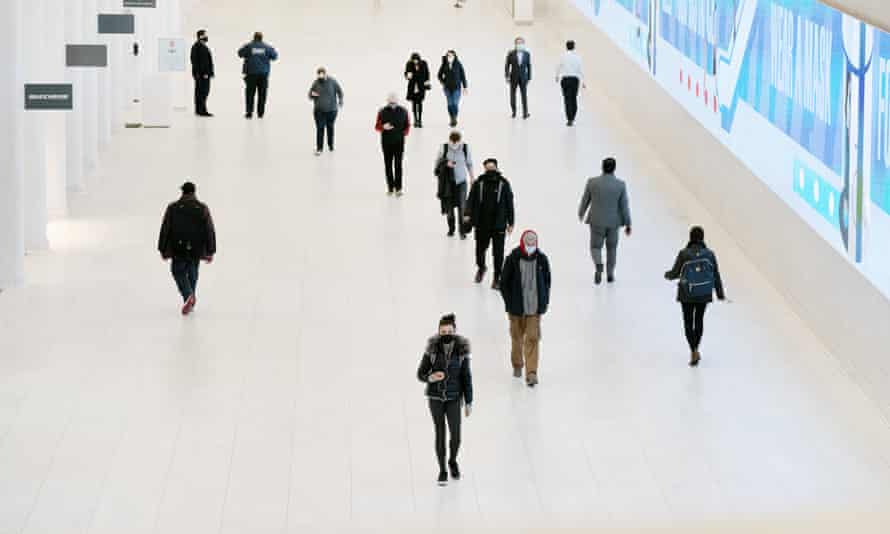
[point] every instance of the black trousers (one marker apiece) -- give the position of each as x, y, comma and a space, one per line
417, 109
523, 86
570, 85
694, 322
496, 238
185, 273
256, 84
443, 411
324, 120
392, 158
202, 91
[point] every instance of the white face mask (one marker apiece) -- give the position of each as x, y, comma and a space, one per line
454, 146
450, 59
530, 250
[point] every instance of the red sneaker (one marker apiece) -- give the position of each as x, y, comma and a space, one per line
189, 304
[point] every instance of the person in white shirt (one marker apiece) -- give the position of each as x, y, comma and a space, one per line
570, 76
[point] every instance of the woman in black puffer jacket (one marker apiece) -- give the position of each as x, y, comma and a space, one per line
445, 369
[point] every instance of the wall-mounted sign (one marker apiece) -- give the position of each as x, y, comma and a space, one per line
49, 96
171, 54
86, 55
140, 3
109, 23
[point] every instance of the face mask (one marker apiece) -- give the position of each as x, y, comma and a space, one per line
454, 146
321, 76
447, 338
530, 250
393, 104
520, 46
205, 39
450, 59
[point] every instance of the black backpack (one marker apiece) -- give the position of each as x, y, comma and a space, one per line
188, 228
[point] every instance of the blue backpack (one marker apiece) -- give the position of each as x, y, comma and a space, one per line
697, 276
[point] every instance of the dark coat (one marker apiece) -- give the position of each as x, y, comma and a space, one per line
419, 83
511, 283
458, 383
257, 57
452, 77
396, 116
691, 252
202, 61
515, 72
204, 231
486, 185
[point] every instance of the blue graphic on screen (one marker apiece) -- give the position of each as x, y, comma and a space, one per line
697, 28
792, 73
880, 161
640, 8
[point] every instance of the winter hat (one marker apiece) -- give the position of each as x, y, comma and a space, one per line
531, 238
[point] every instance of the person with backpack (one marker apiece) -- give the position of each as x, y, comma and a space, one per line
187, 236
525, 286
393, 124
445, 369
699, 278
453, 78
490, 211
454, 166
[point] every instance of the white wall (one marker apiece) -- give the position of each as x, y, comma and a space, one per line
839, 304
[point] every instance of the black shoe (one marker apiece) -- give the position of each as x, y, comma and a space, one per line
450, 233
496, 285
696, 357
610, 279
570, 123
598, 278
418, 124
527, 115
248, 115
330, 149
480, 274
443, 478
463, 236
455, 471
513, 116
260, 115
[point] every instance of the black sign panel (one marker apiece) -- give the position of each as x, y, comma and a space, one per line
117, 23
140, 3
49, 96
86, 55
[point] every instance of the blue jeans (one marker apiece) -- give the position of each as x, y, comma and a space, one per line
185, 272
453, 98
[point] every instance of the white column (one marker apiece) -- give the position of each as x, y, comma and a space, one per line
33, 57
104, 79
90, 90
56, 166
12, 235
75, 119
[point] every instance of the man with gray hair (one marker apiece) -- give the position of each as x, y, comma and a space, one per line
393, 124
606, 205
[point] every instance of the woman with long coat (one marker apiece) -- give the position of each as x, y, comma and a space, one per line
417, 72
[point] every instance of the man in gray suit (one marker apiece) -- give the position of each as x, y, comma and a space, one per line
606, 206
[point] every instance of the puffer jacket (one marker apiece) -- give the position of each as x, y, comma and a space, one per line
458, 383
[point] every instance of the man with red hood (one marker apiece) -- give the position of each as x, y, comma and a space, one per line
525, 286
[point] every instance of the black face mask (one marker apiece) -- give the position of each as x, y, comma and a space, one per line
447, 338
204, 39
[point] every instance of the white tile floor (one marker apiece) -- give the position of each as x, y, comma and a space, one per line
288, 403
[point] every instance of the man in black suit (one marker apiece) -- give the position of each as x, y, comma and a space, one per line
202, 72
518, 71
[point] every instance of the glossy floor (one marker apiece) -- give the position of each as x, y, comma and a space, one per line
288, 401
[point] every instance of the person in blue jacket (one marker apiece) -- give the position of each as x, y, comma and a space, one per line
257, 57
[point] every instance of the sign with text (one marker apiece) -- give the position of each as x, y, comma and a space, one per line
140, 3
86, 55
123, 24
171, 54
49, 97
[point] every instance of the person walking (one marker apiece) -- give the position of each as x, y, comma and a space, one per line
257, 57
453, 78
490, 211
393, 124
525, 287
606, 205
187, 236
417, 72
518, 72
327, 99
445, 369
454, 167
202, 72
570, 77
699, 278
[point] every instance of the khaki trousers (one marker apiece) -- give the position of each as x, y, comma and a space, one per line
525, 333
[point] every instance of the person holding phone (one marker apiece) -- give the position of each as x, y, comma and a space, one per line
445, 369
699, 278
417, 72
453, 78
327, 98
